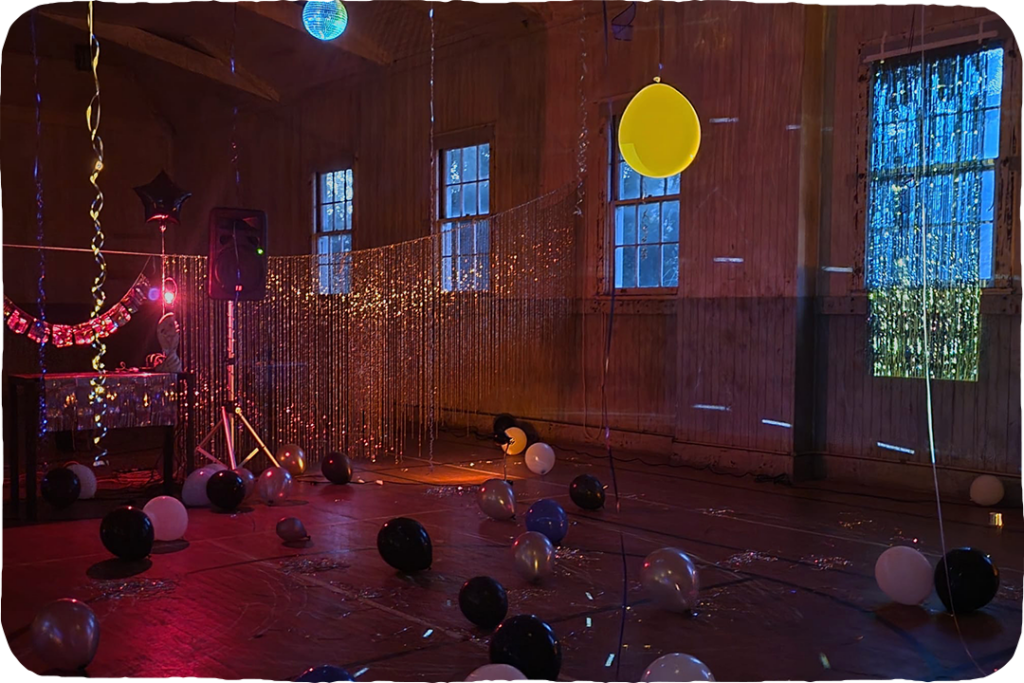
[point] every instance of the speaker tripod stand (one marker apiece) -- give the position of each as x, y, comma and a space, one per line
230, 411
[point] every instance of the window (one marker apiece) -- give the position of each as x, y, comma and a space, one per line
645, 214
931, 207
465, 228
333, 230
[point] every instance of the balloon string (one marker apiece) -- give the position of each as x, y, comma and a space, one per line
37, 177
661, 36
623, 607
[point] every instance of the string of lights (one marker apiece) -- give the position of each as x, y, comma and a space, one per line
92, 115
38, 178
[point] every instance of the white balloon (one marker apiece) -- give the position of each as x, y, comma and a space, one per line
169, 517
216, 466
86, 478
193, 493
986, 490
540, 458
518, 444
497, 672
905, 575
677, 667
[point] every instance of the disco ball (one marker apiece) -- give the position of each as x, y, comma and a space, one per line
325, 19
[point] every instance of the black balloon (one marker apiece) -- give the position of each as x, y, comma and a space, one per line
324, 674
60, 487
501, 423
483, 601
162, 199
973, 580
405, 545
128, 533
337, 468
226, 490
528, 644
587, 491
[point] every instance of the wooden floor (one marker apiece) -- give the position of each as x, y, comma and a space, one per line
787, 581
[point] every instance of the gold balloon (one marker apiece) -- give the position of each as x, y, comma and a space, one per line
659, 133
292, 458
518, 443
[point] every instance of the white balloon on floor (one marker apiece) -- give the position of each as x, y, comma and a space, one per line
169, 518
987, 490
518, 444
677, 667
193, 494
86, 478
905, 575
540, 458
497, 672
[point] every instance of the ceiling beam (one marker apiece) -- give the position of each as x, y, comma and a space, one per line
353, 40
180, 56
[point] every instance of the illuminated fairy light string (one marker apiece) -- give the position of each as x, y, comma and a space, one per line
38, 178
432, 403
97, 394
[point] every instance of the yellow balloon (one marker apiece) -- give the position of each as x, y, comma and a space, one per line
659, 133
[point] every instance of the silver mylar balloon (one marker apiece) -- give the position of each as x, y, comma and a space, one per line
670, 578
533, 555
291, 529
291, 457
248, 478
497, 499
274, 485
676, 667
66, 634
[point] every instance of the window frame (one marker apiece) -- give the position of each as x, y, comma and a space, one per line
445, 142
612, 162
957, 37
347, 164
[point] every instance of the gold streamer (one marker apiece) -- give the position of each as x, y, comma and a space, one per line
92, 116
375, 372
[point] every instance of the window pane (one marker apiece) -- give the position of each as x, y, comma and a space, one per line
340, 191
469, 159
483, 237
483, 272
446, 241
464, 276
469, 199
673, 184
323, 246
326, 188
627, 267
990, 149
446, 274
346, 243
485, 197
453, 161
670, 221
629, 182
327, 218
348, 185
466, 242
485, 161
348, 213
653, 187
453, 206
988, 195
650, 223
985, 265
625, 225
650, 266
670, 265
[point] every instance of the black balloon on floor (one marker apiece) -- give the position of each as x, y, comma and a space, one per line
405, 545
324, 674
60, 487
483, 601
226, 490
528, 644
501, 423
587, 491
128, 533
337, 468
973, 580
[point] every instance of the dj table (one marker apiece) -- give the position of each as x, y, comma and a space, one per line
134, 399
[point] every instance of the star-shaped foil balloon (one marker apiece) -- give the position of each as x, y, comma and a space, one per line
162, 199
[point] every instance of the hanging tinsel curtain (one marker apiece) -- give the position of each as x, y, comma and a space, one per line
934, 144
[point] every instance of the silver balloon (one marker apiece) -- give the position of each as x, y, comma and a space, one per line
65, 634
670, 579
291, 529
274, 485
533, 555
248, 478
291, 457
497, 499
676, 667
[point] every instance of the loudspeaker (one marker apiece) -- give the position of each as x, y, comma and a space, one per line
237, 266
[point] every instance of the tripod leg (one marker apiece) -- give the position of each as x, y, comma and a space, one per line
256, 436
228, 435
249, 457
